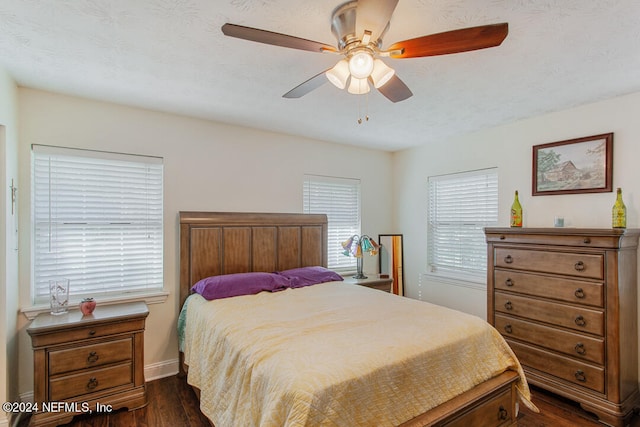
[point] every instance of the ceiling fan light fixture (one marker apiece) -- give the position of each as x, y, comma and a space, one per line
381, 73
361, 64
339, 74
358, 86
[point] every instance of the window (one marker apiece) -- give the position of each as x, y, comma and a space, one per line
97, 221
339, 199
460, 206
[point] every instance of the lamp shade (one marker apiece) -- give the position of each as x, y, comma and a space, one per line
361, 65
358, 86
356, 246
381, 73
339, 74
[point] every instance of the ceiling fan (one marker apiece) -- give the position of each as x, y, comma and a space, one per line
359, 27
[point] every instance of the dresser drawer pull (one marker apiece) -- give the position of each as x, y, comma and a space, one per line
587, 240
579, 348
508, 328
579, 266
508, 259
580, 376
503, 414
502, 237
93, 357
92, 332
508, 305
579, 293
580, 321
508, 282
93, 383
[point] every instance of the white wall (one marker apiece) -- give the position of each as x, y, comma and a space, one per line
208, 166
510, 149
8, 254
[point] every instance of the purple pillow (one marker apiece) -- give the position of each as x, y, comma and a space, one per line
305, 276
232, 285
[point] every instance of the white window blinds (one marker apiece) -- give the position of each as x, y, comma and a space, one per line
97, 221
339, 199
460, 206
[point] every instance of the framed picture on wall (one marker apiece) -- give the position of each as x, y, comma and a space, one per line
581, 165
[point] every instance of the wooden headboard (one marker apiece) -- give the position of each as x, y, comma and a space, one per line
214, 243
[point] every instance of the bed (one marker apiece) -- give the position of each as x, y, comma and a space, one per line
331, 353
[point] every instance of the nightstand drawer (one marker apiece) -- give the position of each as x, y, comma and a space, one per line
93, 331
91, 381
90, 356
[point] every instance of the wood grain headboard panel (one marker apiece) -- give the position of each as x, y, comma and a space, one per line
214, 243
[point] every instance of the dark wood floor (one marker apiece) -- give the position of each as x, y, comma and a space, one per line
172, 403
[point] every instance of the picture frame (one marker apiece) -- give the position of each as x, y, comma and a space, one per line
573, 166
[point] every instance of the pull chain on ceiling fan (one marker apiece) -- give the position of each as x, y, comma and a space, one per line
359, 27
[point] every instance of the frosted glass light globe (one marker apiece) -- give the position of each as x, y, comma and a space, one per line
361, 65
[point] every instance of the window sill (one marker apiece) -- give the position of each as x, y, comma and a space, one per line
149, 298
462, 281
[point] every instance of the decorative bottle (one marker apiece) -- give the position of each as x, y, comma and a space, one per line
619, 212
516, 212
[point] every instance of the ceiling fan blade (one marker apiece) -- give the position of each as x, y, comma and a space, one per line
455, 41
304, 88
374, 15
395, 89
276, 39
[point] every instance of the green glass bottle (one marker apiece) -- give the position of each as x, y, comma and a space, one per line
516, 212
619, 212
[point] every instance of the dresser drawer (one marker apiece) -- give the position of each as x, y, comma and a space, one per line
89, 356
576, 372
570, 343
83, 333
91, 381
559, 288
577, 318
572, 264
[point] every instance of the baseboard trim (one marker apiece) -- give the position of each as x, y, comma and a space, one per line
167, 368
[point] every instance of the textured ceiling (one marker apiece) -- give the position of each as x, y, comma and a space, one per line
170, 55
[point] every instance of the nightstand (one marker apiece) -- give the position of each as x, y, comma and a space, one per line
372, 281
88, 363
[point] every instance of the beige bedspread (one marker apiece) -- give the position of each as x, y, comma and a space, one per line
334, 354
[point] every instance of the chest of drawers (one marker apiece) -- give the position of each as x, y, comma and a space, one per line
88, 363
566, 302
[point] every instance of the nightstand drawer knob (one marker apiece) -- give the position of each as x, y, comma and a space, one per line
579, 266
579, 293
93, 357
93, 383
508, 259
580, 321
508, 305
508, 282
508, 329
580, 349
92, 332
580, 376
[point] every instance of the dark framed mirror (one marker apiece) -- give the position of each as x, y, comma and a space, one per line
391, 259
